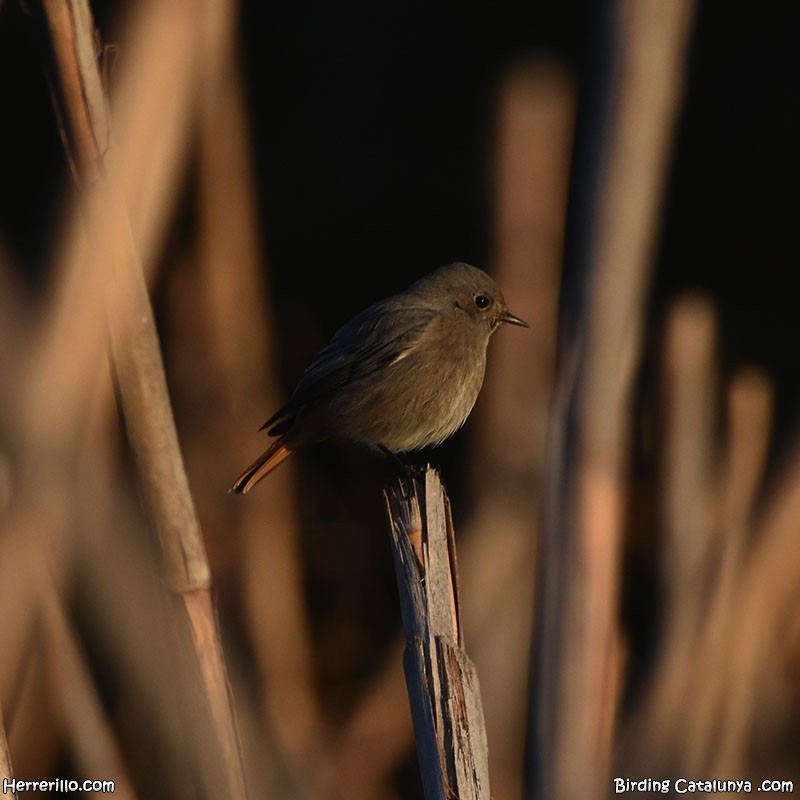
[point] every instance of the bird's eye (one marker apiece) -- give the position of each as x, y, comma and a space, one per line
482, 301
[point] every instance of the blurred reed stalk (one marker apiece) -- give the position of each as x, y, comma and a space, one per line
719, 700
74, 691
696, 712
6, 772
135, 350
376, 738
222, 319
535, 111
577, 648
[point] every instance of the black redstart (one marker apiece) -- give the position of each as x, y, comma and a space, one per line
400, 376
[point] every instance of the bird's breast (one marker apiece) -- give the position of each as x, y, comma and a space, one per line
421, 397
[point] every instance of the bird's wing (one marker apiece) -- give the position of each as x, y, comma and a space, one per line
371, 340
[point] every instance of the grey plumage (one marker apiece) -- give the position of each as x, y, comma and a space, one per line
401, 375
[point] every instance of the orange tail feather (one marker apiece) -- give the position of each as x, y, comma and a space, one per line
263, 465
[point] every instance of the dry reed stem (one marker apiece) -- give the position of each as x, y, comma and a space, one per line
375, 738
242, 367
79, 88
708, 518
129, 310
33, 553
578, 648
137, 362
58, 373
90, 735
689, 479
442, 681
6, 772
22, 576
35, 732
749, 404
534, 123
166, 47
690, 490
761, 629
168, 733
723, 684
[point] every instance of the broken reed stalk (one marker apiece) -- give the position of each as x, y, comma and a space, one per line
441, 679
81, 105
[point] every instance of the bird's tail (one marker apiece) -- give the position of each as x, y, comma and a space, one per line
276, 454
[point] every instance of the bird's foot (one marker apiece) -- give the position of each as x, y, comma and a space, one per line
406, 472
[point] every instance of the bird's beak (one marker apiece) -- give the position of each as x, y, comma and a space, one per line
508, 317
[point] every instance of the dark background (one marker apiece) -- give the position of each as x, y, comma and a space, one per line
373, 127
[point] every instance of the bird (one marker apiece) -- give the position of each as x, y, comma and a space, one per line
402, 375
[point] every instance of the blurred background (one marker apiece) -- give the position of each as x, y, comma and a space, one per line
295, 164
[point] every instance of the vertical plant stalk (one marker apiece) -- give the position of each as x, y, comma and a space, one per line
136, 358
6, 772
241, 365
720, 683
577, 648
534, 127
441, 679
91, 736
